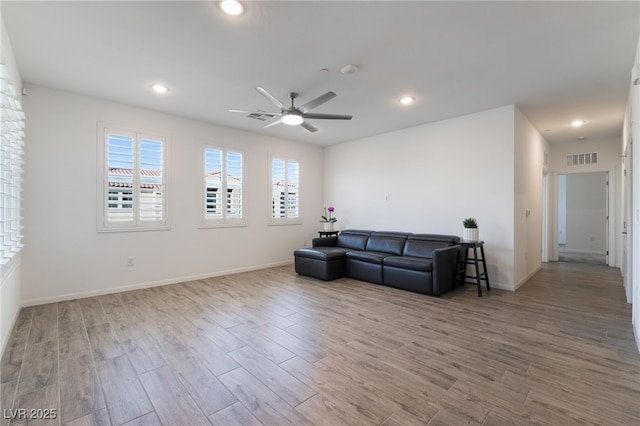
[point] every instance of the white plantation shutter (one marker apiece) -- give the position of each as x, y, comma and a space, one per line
285, 189
213, 183
120, 182
234, 185
151, 181
293, 189
223, 181
279, 183
11, 154
134, 189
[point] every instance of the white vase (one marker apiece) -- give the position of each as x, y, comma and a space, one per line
328, 226
471, 234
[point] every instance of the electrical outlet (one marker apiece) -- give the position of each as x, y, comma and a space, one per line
130, 262
304, 243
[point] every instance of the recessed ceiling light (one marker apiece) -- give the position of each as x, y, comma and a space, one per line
160, 88
232, 7
577, 123
349, 69
407, 100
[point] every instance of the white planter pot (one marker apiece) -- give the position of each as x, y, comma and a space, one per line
328, 226
471, 234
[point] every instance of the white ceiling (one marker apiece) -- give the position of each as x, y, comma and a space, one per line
556, 61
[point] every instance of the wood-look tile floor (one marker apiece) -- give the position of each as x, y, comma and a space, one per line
270, 347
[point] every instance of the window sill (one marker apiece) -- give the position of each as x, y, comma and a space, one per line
284, 223
134, 229
222, 225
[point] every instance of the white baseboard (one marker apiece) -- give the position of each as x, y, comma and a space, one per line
576, 251
175, 280
527, 278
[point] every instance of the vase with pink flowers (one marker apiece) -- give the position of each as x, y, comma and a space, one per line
327, 219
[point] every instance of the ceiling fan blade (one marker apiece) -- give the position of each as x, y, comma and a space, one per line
310, 127
257, 111
271, 98
317, 102
326, 116
273, 123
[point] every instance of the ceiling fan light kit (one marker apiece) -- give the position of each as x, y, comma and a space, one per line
292, 115
292, 119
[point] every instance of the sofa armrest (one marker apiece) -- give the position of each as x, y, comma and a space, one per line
324, 241
445, 262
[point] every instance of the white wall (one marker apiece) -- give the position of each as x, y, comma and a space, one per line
428, 178
528, 165
64, 255
609, 153
631, 135
10, 279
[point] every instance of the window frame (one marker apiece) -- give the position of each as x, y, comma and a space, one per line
104, 191
286, 220
224, 220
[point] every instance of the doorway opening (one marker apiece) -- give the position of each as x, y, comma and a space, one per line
583, 218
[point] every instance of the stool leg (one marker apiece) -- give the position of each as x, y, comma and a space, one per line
484, 265
475, 253
461, 272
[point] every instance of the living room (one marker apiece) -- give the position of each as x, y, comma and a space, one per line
420, 177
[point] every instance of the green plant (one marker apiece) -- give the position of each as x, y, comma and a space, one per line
470, 223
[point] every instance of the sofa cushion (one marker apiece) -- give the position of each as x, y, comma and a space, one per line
353, 239
387, 242
321, 253
368, 256
423, 245
409, 262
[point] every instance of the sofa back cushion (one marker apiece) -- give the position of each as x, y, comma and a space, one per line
423, 245
353, 239
387, 242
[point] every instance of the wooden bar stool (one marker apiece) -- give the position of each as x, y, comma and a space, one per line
476, 261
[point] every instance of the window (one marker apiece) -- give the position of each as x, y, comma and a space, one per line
133, 193
285, 190
11, 154
222, 186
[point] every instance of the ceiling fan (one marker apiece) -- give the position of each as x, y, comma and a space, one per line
294, 115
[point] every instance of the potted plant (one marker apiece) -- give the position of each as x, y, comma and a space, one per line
470, 230
327, 219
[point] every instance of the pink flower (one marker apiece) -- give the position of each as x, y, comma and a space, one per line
331, 209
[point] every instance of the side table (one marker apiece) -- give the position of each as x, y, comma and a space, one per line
327, 233
465, 260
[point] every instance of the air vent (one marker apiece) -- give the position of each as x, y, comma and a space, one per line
260, 116
582, 159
